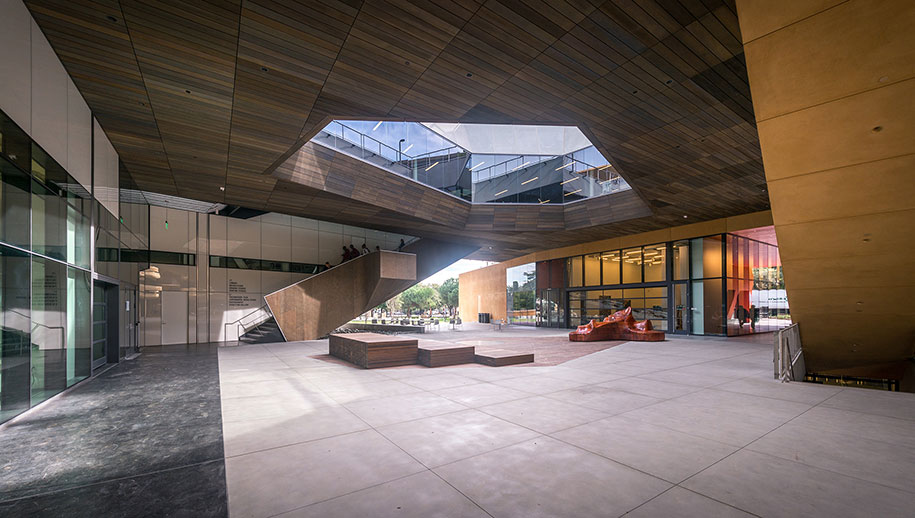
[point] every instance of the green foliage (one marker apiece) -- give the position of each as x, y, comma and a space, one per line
448, 293
419, 298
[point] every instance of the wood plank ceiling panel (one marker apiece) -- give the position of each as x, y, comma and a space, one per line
186, 54
659, 86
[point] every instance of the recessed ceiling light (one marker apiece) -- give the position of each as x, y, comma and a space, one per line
376, 125
501, 192
685, 216
222, 188
431, 166
529, 181
187, 91
573, 192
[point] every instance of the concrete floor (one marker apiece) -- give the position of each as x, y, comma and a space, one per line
686, 427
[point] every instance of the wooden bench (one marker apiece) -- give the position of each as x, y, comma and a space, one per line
501, 358
373, 350
440, 354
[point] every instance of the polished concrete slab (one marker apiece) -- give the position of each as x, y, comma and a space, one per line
144, 438
686, 427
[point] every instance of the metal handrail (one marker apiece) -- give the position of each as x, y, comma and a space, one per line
789, 366
241, 328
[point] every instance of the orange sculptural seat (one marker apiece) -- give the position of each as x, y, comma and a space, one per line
618, 326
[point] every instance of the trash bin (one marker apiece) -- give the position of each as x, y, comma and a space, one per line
484, 318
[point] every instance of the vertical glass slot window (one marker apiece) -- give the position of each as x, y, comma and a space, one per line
573, 271
655, 259
706, 257
632, 265
610, 267
592, 270
681, 260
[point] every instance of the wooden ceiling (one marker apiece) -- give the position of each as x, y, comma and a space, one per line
207, 94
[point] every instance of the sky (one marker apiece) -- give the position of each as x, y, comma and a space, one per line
464, 265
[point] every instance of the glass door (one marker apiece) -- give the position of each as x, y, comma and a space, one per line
681, 312
99, 326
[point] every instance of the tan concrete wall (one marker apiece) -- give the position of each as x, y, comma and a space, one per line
484, 291
833, 87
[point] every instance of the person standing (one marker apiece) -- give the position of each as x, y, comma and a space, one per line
365, 249
401, 245
353, 253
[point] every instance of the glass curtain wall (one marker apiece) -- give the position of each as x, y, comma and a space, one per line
638, 279
687, 275
521, 294
45, 275
757, 301
550, 284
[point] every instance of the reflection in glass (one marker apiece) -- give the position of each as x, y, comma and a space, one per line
15, 332
78, 318
49, 351
14, 205
521, 285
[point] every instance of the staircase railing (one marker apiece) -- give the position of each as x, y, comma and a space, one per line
788, 356
246, 323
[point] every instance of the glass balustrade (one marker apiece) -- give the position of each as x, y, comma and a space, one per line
413, 150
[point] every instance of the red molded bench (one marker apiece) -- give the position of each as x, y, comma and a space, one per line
618, 326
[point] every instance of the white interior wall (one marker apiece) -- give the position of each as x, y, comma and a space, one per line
105, 164
226, 295
37, 93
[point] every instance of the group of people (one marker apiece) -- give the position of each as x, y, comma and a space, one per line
351, 252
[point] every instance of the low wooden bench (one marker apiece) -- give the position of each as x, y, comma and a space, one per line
501, 357
440, 354
373, 350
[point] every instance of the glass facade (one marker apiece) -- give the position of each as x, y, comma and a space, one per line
413, 150
716, 285
46, 240
756, 297
521, 285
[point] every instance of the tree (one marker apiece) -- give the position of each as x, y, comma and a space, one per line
419, 298
394, 304
448, 293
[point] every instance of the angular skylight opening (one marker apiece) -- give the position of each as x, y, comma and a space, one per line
482, 163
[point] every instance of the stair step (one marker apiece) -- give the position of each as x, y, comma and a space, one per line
439, 354
501, 358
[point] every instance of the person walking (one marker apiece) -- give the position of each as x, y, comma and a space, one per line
353, 253
365, 249
401, 245
346, 255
